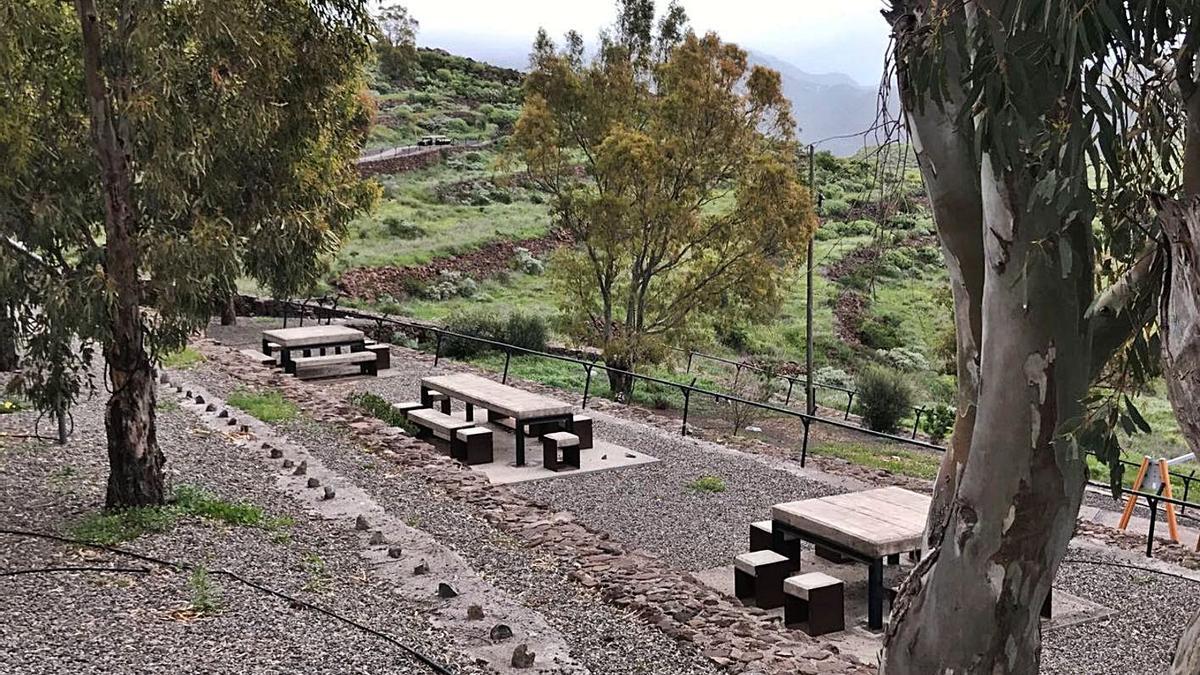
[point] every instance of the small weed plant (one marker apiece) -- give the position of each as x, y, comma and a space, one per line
183, 359
380, 408
884, 398
113, 527
268, 406
206, 598
708, 484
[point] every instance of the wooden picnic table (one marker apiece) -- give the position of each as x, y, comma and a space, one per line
867, 526
501, 401
311, 338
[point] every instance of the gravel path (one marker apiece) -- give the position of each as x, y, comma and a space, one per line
603, 638
1140, 636
140, 623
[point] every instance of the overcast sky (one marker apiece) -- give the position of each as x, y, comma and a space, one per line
846, 36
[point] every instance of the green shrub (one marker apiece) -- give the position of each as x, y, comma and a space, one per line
880, 332
835, 208
402, 229
834, 377
884, 398
732, 334
519, 329
525, 330
381, 409
903, 358
479, 323
938, 422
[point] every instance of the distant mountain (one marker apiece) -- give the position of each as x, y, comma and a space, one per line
825, 105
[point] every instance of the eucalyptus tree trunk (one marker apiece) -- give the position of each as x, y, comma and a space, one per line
135, 462
229, 311
9, 359
1187, 654
1009, 489
1179, 322
942, 138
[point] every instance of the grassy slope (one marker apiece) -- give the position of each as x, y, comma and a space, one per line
461, 100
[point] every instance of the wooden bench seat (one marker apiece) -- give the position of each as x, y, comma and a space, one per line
306, 364
405, 407
436, 423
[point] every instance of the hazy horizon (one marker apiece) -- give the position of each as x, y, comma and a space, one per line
816, 36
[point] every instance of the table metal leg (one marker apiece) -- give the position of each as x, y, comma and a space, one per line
285, 359
425, 397
446, 406
519, 430
470, 413
266, 347
875, 595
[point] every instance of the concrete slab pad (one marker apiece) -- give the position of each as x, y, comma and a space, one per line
604, 456
865, 644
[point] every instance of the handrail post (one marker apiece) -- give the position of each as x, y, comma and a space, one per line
1153, 519
587, 383
849, 404
1187, 487
791, 383
804, 448
689, 366
507, 359
737, 374
437, 353
687, 401
917, 423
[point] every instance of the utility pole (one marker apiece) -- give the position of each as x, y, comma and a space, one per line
810, 398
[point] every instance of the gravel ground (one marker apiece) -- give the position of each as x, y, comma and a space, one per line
1151, 611
602, 638
140, 623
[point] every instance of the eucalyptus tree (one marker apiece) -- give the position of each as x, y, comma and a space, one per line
153, 152
672, 161
1041, 128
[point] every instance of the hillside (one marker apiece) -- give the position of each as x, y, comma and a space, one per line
467, 236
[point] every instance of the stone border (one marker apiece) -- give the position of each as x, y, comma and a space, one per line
741, 639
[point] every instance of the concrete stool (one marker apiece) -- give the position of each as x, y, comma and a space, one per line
761, 540
472, 446
435, 397
383, 355
583, 429
562, 441
760, 575
406, 407
816, 598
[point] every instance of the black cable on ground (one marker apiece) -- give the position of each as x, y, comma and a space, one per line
1103, 563
433, 665
49, 570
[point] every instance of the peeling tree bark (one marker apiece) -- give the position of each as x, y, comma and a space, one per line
1187, 654
135, 476
1179, 322
945, 152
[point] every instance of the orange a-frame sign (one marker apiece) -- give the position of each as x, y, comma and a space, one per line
1164, 474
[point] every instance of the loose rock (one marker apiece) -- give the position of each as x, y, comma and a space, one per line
500, 632
329, 493
360, 523
395, 551
445, 590
522, 657
474, 613
376, 538
302, 469
287, 464
314, 482
276, 453
199, 399
421, 569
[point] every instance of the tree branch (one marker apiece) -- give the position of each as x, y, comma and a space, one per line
1111, 319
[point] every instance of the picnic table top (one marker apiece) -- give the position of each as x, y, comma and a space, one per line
313, 335
874, 523
499, 398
